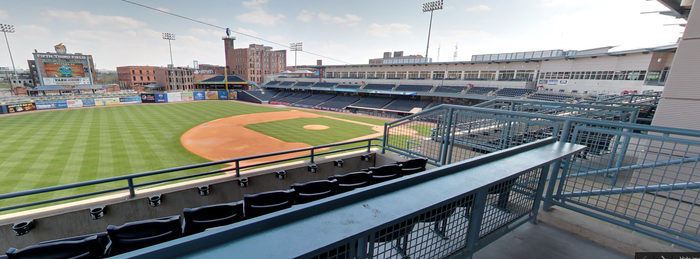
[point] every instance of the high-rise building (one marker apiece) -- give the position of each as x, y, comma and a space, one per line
254, 62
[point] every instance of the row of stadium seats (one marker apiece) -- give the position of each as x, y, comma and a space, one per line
552, 97
340, 102
316, 99
372, 102
139, 234
514, 92
406, 105
481, 90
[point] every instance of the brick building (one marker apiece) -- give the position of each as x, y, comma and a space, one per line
136, 77
254, 62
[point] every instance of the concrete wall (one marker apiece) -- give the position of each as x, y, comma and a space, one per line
74, 219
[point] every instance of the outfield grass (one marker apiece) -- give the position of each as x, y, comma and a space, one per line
292, 130
373, 121
66, 146
422, 130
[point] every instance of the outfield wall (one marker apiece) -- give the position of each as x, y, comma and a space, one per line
142, 98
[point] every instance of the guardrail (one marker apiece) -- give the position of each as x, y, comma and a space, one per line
131, 186
455, 209
636, 176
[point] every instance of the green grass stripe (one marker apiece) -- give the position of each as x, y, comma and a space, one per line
373, 121
423, 130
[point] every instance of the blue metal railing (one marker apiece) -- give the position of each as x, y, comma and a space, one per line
628, 175
131, 177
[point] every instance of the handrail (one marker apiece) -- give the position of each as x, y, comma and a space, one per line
631, 126
130, 177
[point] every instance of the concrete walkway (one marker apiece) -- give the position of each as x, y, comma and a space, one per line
543, 242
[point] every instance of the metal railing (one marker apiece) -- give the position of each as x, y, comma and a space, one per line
131, 186
636, 176
378, 221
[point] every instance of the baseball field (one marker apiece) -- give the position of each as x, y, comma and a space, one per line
42, 149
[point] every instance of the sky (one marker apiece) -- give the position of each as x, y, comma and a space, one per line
118, 33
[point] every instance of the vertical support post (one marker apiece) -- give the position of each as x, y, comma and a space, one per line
369, 145
238, 168
565, 132
312, 155
539, 193
475, 219
386, 136
427, 45
446, 137
132, 193
361, 252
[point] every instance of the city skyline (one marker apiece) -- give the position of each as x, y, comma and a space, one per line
118, 33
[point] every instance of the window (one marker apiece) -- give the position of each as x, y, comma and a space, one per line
140, 72
471, 75
454, 75
438, 74
148, 78
132, 72
413, 75
134, 78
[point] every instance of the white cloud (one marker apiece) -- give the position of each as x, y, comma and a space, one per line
258, 15
481, 7
89, 19
347, 19
246, 31
388, 30
305, 16
4, 15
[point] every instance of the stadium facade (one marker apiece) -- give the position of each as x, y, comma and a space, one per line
586, 71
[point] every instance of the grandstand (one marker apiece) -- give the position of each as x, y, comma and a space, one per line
339, 102
552, 97
315, 99
325, 85
514, 92
272, 83
348, 86
379, 87
414, 88
372, 102
449, 89
264, 96
406, 105
481, 90
293, 98
286, 83
303, 83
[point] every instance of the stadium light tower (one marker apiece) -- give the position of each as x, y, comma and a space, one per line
5, 28
430, 7
295, 47
170, 37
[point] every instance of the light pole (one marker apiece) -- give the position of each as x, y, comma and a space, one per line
295, 47
5, 28
170, 37
430, 7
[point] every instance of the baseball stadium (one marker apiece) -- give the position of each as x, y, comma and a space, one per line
543, 154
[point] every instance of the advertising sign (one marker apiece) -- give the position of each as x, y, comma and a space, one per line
74, 103
552, 81
563, 82
12, 108
223, 95
88, 102
187, 96
28, 106
133, 99
199, 96
233, 95
174, 97
50, 105
148, 98
344, 90
161, 98
212, 95
106, 101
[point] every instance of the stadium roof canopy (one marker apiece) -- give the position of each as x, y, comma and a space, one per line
666, 48
677, 8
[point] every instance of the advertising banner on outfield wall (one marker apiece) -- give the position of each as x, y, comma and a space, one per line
233, 95
161, 98
3, 109
133, 99
187, 96
174, 97
88, 102
106, 101
212, 95
223, 95
44, 105
199, 96
74, 103
148, 98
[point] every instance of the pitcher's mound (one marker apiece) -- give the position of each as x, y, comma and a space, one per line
315, 127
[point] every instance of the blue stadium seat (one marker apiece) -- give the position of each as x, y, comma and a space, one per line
202, 218
315, 190
481, 90
267, 202
88, 247
139, 234
350, 181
